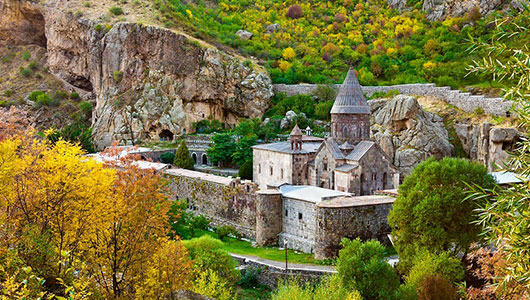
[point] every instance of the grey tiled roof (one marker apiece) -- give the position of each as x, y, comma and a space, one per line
346, 167
333, 147
285, 147
360, 150
350, 99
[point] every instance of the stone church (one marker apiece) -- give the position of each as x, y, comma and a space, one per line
347, 161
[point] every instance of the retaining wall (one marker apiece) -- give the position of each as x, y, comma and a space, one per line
270, 274
461, 100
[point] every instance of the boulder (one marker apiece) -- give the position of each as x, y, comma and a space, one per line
272, 28
290, 115
441, 9
407, 133
243, 34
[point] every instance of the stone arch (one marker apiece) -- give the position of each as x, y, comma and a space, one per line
194, 156
166, 135
204, 159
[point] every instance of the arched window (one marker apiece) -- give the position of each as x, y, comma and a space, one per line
361, 130
345, 131
384, 181
204, 159
194, 156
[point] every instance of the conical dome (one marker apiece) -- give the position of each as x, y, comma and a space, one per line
350, 99
296, 131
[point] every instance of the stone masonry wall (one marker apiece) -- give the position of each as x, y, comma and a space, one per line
231, 202
334, 223
464, 101
298, 225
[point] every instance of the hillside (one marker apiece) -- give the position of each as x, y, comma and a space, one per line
315, 41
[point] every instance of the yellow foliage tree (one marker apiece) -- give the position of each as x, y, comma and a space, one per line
208, 283
284, 65
288, 53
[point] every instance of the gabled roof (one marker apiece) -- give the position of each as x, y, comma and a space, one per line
285, 147
296, 131
334, 149
350, 99
346, 146
360, 150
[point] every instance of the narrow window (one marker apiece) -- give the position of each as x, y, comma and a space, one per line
259, 168
299, 216
281, 173
271, 170
286, 212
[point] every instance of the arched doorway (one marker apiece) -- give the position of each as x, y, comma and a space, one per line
204, 159
166, 135
194, 156
384, 181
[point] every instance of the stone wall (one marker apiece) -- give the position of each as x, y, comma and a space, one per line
464, 101
225, 200
298, 225
269, 217
357, 217
270, 275
272, 167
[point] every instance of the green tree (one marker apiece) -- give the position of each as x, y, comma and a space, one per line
222, 149
428, 264
183, 158
243, 152
362, 267
430, 212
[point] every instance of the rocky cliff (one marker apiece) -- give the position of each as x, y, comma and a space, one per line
148, 82
441, 9
407, 133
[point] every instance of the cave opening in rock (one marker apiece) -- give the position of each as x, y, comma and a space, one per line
40, 36
166, 135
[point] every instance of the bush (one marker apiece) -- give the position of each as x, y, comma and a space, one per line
167, 158
25, 72
225, 231
117, 76
183, 158
26, 55
437, 288
33, 66
325, 92
246, 170
87, 4
362, 267
60, 95
74, 96
295, 12
427, 264
207, 253
199, 223
33, 96
249, 278
86, 108
116, 10
46, 100
479, 111
8, 93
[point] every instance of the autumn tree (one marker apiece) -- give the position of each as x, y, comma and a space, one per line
136, 215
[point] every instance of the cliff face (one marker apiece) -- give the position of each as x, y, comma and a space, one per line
441, 9
148, 82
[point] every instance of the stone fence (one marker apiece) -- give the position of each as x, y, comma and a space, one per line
270, 273
464, 101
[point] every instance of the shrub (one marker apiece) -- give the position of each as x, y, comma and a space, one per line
325, 92
246, 170
33, 65
86, 108
249, 278
428, 264
362, 267
437, 288
8, 93
33, 96
207, 253
183, 158
46, 100
295, 12
26, 55
87, 4
25, 72
167, 158
247, 63
74, 96
117, 76
116, 10
447, 81
479, 111
60, 95
200, 223
224, 231
78, 14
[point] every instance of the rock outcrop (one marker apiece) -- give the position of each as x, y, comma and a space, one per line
441, 9
488, 144
148, 82
407, 133
21, 23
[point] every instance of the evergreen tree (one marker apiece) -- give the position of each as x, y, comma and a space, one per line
183, 158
